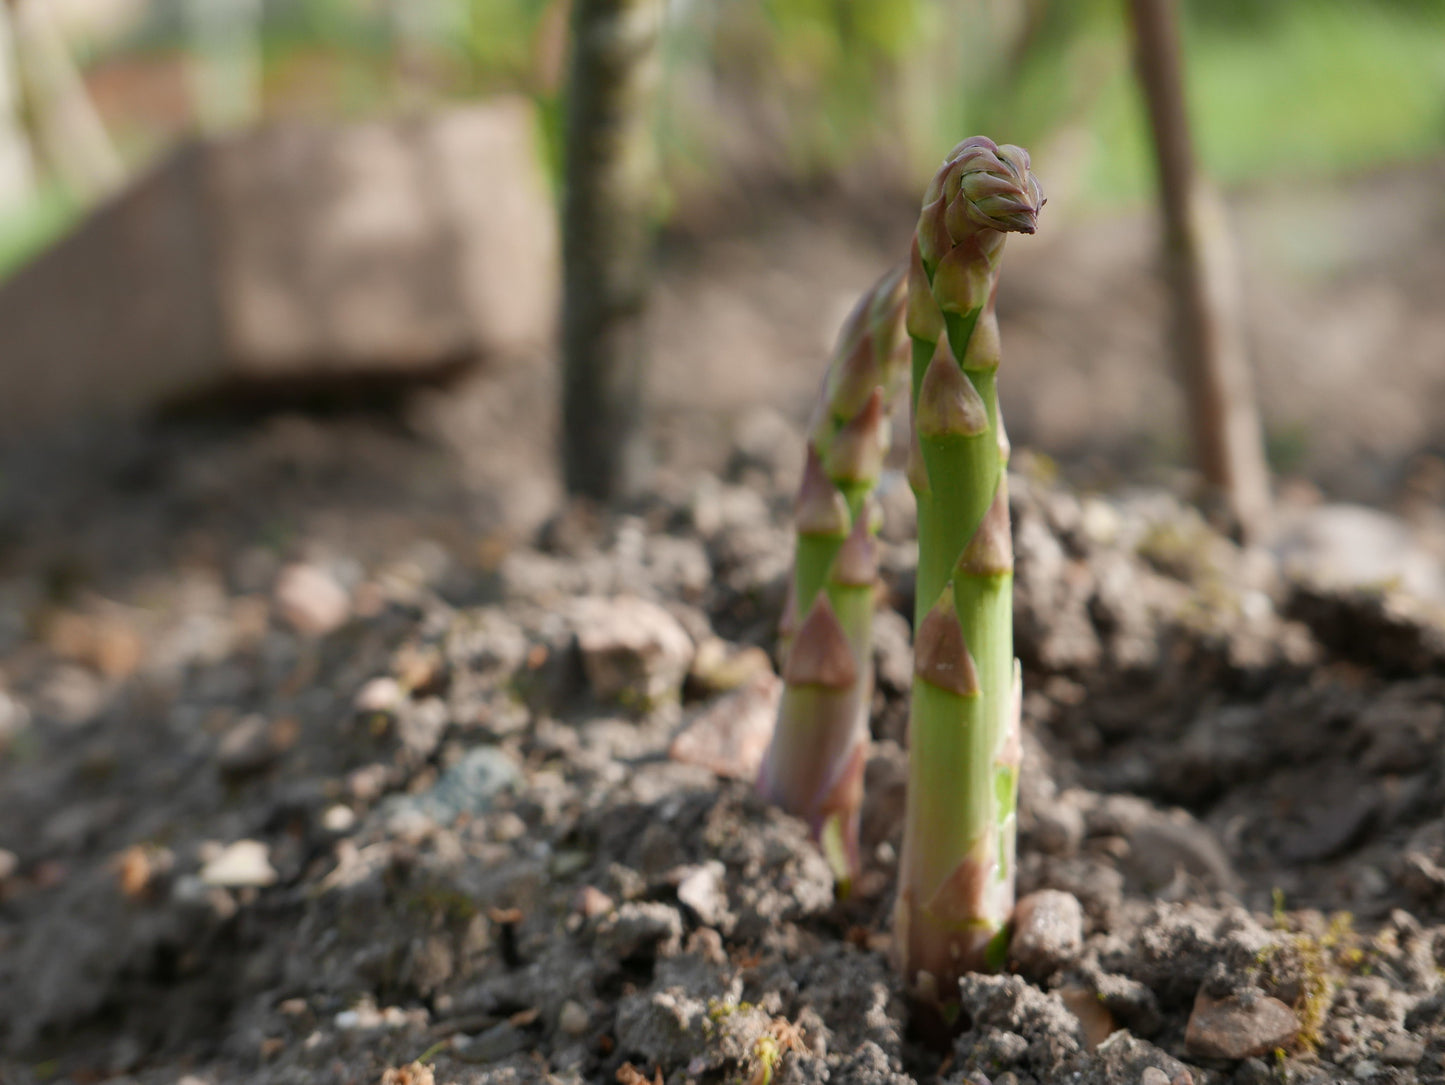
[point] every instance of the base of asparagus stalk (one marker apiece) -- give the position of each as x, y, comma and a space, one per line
814, 765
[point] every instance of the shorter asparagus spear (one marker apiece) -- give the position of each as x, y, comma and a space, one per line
814, 766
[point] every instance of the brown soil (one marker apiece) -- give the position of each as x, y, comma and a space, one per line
305, 774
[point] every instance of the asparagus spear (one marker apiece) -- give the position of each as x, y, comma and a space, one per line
957, 871
814, 766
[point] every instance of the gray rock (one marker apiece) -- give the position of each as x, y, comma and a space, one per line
632, 650
1048, 932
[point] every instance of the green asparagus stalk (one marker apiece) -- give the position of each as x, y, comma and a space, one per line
957, 869
814, 765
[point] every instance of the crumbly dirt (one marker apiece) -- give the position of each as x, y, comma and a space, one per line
314, 767
328, 789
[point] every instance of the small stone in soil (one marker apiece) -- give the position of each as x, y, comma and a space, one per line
1239, 1026
1048, 932
1095, 1020
246, 747
632, 650
591, 902
138, 866
311, 600
573, 1019
701, 889
339, 818
244, 864
379, 695
731, 736
1058, 828
1402, 1049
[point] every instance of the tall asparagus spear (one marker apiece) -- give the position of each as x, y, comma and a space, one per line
814, 766
957, 873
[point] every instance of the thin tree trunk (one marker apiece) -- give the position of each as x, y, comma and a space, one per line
607, 223
1204, 281
70, 131
17, 164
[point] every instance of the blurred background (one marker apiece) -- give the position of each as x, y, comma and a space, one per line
317, 227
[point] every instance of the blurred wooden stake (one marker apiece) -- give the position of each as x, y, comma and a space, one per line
70, 131
1204, 280
607, 224
17, 165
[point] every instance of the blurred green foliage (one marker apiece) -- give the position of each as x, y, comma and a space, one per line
1292, 89
26, 230
1277, 87
802, 88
